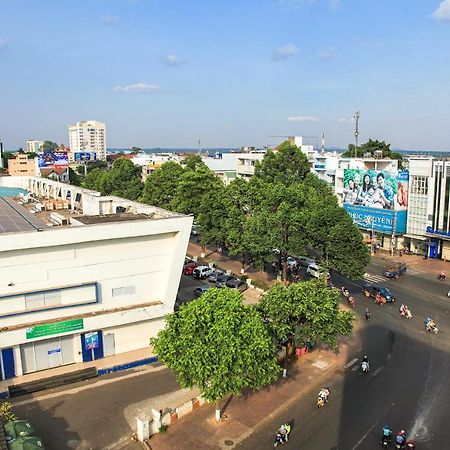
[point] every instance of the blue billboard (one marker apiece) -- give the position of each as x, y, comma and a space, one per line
377, 200
85, 156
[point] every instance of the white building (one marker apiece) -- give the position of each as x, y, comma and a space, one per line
428, 225
246, 163
87, 136
97, 283
325, 165
34, 146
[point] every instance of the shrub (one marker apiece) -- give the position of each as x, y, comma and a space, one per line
260, 284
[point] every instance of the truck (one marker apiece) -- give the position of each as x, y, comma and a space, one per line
395, 271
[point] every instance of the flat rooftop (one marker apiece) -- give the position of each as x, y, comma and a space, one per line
109, 218
15, 218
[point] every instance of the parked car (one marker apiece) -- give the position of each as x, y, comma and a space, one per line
223, 279
200, 291
189, 267
305, 261
237, 284
313, 270
202, 272
292, 262
213, 277
396, 271
372, 290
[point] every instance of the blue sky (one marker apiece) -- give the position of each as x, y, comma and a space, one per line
167, 72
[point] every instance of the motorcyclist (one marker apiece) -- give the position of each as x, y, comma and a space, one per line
387, 433
283, 432
442, 276
401, 438
367, 314
365, 363
429, 324
345, 291
324, 394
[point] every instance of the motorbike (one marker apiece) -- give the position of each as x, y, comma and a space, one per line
279, 439
448, 294
322, 399
367, 315
406, 313
351, 302
441, 277
397, 445
365, 366
345, 292
431, 328
385, 441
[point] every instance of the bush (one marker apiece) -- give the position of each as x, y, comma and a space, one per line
260, 284
163, 428
243, 277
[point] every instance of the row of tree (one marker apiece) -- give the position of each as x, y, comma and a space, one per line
222, 347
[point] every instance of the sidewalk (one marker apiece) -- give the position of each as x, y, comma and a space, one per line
244, 415
429, 265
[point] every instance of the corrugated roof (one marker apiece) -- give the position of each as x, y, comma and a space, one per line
15, 218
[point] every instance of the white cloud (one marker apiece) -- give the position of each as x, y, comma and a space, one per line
327, 53
345, 120
285, 51
302, 119
173, 60
139, 88
442, 12
111, 21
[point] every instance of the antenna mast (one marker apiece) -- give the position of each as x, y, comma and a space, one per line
356, 117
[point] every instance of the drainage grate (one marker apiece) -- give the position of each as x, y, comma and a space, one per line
229, 443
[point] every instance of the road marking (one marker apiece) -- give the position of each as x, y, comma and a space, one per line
378, 371
374, 278
350, 363
354, 369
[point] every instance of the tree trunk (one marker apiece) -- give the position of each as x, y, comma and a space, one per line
218, 411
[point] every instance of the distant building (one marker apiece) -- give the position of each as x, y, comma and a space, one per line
34, 146
246, 162
22, 166
87, 136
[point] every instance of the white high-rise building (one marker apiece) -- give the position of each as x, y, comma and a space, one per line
87, 136
34, 146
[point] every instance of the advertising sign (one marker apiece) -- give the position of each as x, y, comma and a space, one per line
54, 328
91, 340
52, 160
85, 156
377, 200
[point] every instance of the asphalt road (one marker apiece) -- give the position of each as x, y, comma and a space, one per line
406, 388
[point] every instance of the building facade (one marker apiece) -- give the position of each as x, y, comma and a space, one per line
98, 282
34, 146
87, 136
22, 166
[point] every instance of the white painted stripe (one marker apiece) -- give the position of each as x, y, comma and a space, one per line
378, 371
350, 363
354, 369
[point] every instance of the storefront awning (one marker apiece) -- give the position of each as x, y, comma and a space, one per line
413, 236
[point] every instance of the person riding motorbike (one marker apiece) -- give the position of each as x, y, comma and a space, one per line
387, 434
345, 291
324, 394
351, 301
282, 435
405, 312
429, 324
442, 276
367, 314
401, 438
365, 364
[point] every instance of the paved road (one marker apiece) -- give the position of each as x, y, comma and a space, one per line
92, 419
406, 388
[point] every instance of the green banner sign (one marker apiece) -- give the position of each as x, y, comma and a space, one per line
55, 328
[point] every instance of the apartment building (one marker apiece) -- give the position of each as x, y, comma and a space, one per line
34, 146
22, 166
89, 280
87, 136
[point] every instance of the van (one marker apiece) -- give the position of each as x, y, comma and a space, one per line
315, 271
202, 272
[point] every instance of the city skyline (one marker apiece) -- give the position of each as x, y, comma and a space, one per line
231, 74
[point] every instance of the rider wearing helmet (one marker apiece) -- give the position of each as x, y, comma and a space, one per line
401, 438
387, 433
284, 431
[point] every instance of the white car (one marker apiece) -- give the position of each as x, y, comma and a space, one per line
315, 271
202, 272
291, 262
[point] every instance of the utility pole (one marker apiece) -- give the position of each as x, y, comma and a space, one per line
356, 117
394, 225
323, 142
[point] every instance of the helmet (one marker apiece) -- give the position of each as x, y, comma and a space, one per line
402, 432
387, 427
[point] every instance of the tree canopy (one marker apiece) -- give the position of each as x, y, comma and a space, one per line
49, 146
370, 147
218, 345
304, 312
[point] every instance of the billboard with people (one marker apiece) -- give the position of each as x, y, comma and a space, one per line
377, 199
52, 160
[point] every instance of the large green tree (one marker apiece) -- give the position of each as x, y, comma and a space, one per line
287, 165
49, 146
161, 185
218, 345
303, 312
124, 180
94, 180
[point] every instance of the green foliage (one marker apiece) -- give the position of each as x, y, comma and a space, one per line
94, 180
261, 284
287, 165
161, 185
32, 155
304, 312
100, 164
5, 412
193, 162
370, 147
217, 344
74, 178
49, 146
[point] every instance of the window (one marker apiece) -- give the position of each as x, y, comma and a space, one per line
419, 185
126, 290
